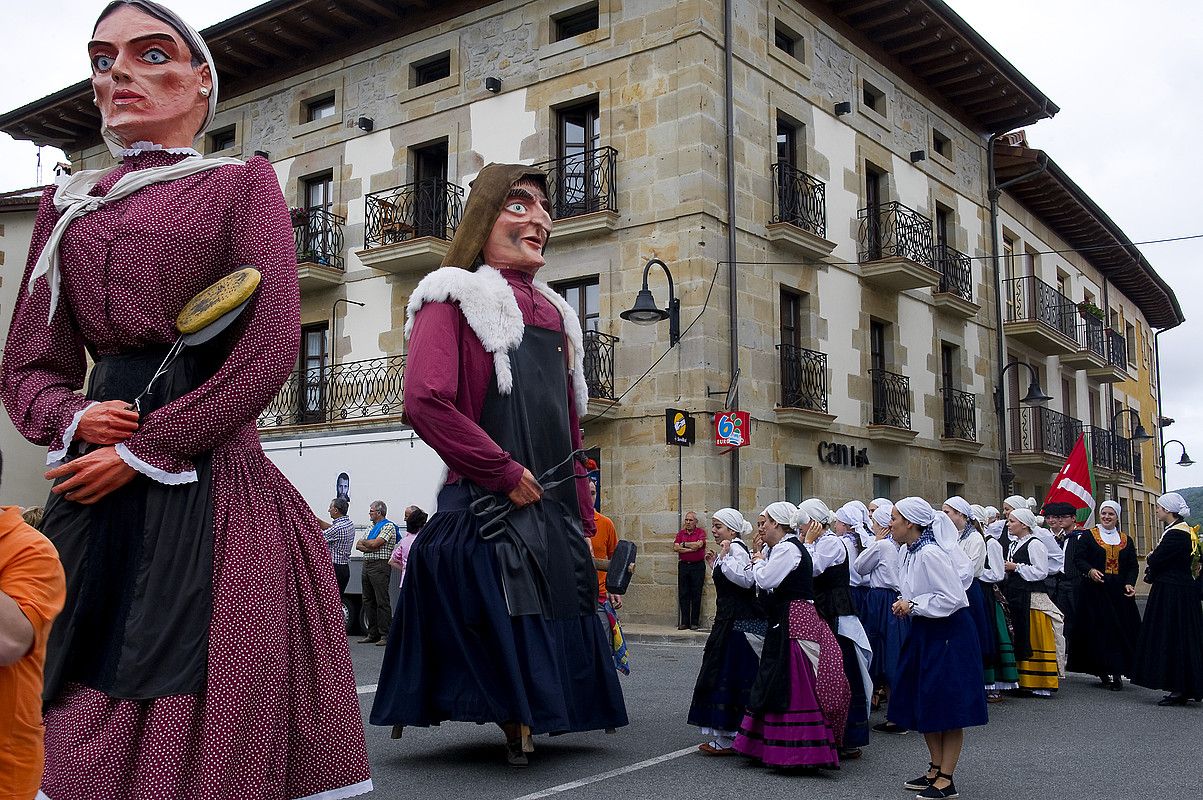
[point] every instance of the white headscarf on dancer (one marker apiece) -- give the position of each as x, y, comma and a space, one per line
817, 510
1174, 503
919, 512
991, 515
961, 506
854, 517
979, 513
1015, 501
781, 512
72, 199
877, 502
881, 515
733, 520
1025, 516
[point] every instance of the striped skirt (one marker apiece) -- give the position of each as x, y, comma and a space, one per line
1040, 671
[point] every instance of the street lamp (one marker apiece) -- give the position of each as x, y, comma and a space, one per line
1139, 434
1185, 461
646, 312
1035, 397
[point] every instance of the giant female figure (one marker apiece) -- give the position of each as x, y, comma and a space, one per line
201, 652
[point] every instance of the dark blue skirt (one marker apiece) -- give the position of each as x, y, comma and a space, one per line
982, 620
886, 633
729, 665
455, 653
939, 682
860, 600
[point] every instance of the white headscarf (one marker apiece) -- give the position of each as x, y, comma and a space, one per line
852, 516
877, 502
881, 515
1025, 516
961, 506
1174, 503
979, 513
1016, 501
916, 510
991, 514
947, 537
817, 510
781, 512
733, 520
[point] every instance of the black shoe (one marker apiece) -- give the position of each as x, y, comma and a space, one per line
369, 640
514, 755
1117, 684
922, 782
1173, 699
1104, 682
890, 727
932, 793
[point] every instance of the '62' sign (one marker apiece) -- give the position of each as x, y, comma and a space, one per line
731, 428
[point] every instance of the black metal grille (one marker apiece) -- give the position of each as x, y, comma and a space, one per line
318, 236
582, 183
354, 390
891, 399
1036, 429
1091, 336
1102, 447
956, 271
1029, 299
1117, 349
960, 414
430, 207
599, 364
1123, 452
799, 199
803, 378
1137, 465
892, 230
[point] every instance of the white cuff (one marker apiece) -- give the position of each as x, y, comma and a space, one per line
153, 472
55, 457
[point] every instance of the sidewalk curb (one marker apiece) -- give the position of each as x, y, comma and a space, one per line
654, 634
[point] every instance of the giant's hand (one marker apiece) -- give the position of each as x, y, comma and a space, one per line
92, 476
109, 422
527, 491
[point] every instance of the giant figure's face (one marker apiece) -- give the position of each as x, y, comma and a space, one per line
521, 230
145, 85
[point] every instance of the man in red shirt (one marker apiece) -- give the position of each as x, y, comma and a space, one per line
32, 592
690, 547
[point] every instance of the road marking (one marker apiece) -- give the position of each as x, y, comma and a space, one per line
601, 776
367, 689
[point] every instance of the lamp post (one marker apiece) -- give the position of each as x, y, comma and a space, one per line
1185, 461
1035, 397
333, 320
646, 312
1139, 434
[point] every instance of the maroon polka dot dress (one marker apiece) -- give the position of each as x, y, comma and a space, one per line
278, 718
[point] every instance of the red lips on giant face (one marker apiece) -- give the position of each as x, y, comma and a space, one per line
123, 97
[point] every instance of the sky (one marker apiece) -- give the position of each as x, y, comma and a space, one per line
1124, 74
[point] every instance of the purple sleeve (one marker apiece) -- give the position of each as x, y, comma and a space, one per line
44, 365
261, 359
584, 501
436, 403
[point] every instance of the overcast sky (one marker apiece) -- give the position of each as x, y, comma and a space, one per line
1124, 74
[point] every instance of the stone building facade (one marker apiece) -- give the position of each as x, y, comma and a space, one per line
864, 295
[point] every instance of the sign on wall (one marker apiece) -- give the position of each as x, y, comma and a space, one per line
844, 455
731, 428
678, 427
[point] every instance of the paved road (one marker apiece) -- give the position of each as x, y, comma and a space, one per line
1085, 743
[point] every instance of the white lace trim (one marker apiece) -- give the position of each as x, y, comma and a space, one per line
143, 147
153, 472
55, 457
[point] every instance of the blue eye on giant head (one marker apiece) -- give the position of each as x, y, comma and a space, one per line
155, 56
102, 63
518, 207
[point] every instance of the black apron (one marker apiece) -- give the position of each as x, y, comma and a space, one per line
545, 561
733, 605
139, 563
770, 692
1019, 600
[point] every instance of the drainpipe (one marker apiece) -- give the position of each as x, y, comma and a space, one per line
732, 267
1157, 422
1109, 411
1006, 476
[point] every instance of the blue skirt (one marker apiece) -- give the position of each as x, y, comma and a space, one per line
455, 653
982, 620
886, 634
860, 600
939, 682
729, 665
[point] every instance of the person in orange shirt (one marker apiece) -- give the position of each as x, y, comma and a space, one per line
603, 543
32, 592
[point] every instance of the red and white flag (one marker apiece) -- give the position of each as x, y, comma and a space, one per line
1074, 484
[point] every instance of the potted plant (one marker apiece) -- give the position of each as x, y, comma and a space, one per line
1087, 308
299, 216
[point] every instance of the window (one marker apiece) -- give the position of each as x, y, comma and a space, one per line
787, 142
941, 144
874, 195
316, 239
791, 317
574, 22
430, 190
221, 139
579, 137
943, 225
1093, 399
949, 362
584, 295
320, 108
885, 486
431, 69
787, 41
797, 482
311, 374
1063, 284
873, 98
877, 345
1130, 336
1069, 405
952, 489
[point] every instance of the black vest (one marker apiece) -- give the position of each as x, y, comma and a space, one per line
798, 585
833, 597
731, 600
1014, 581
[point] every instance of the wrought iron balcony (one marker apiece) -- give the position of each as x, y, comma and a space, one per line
892, 230
1102, 447
430, 207
956, 272
318, 235
1029, 299
1117, 349
599, 364
582, 183
799, 199
960, 414
1042, 431
803, 378
1138, 472
1124, 450
1091, 336
354, 390
891, 399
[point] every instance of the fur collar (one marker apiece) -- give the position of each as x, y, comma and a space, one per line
491, 310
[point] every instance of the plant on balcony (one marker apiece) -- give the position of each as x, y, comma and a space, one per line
1087, 308
299, 217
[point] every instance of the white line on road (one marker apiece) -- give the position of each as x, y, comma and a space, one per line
601, 776
368, 689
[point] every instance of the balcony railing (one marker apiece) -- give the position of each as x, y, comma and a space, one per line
582, 183
354, 390
892, 230
1029, 299
1123, 453
1102, 447
599, 364
1117, 349
803, 378
318, 235
1040, 430
430, 207
1138, 472
799, 199
891, 399
960, 414
956, 272
1091, 336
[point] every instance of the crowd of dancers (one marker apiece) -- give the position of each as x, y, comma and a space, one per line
825, 617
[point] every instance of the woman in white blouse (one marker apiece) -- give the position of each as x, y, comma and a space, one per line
972, 542
1000, 673
937, 690
879, 564
1032, 611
